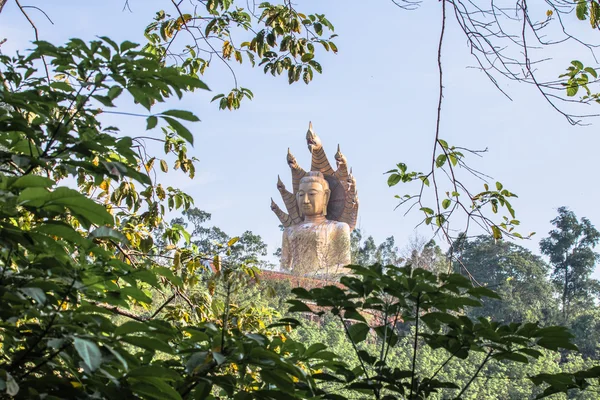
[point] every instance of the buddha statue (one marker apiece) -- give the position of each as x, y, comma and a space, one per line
321, 212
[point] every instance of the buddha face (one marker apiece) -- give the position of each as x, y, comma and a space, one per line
312, 198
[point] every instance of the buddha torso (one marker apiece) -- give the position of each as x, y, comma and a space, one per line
316, 249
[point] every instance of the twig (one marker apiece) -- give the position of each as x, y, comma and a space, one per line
37, 37
42, 11
131, 315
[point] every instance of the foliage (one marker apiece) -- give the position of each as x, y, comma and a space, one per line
367, 252
275, 36
449, 201
378, 299
78, 277
499, 380
570, 249
247, 248
516, 274
81, 269
585, 325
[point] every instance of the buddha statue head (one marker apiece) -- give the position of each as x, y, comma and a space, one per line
313, 195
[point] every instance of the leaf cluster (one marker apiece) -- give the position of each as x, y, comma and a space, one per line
377, 305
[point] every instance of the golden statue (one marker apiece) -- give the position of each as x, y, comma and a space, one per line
321, 212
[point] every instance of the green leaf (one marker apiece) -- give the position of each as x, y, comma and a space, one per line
182, 114
572, 90
163, 166
12, 387
81, 205
393, 179
440, 160
581, 10
105, 100
104, 232
180, 129
358, 332
35, 293
64, 86
137, 294
591, 71
298, 306
512, 356
577, 64
140, 97
155, 371
496, 232
127, 45
217, 97
89, 353
111, 42
446, 203
481, 291
307, 57
434, 319
532, 352
453, 159
131, 327
218, 357
114, 92
151, 122
148, 343
161, 390
72, 199
32, 181
351, 313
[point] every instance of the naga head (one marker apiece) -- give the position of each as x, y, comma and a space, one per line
291, 160
340, 159
280, 185
312, 140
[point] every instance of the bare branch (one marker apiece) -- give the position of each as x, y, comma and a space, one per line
37, 37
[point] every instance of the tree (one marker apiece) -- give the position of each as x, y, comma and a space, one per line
79, 269
376, 301
570, 249
423, 253
585, 325
248, 248
517, 275
367, 251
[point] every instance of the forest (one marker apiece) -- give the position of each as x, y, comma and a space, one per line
115, 283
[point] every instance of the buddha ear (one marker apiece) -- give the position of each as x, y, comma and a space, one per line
327, 194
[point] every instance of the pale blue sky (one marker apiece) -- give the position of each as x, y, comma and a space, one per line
377, 98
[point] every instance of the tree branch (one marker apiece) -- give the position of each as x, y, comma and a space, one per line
37, 37
131, 315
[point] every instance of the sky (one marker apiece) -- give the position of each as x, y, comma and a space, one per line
377, 98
